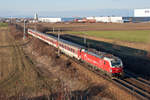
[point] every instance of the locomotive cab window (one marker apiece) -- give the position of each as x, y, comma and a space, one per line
116, 63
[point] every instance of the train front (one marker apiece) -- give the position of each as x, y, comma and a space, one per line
116, 68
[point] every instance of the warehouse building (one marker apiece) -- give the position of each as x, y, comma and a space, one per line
49, 20
142, 13
107, 19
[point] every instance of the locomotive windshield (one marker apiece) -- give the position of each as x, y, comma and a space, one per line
116, 63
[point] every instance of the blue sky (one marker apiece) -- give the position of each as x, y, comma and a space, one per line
71, 7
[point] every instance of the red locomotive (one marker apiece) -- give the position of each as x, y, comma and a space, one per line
108, 63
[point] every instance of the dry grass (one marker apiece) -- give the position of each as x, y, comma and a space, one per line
19, 76
16, 31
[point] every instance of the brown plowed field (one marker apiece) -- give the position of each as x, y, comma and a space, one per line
96, 26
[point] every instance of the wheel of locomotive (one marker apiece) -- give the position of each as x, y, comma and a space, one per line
122, 75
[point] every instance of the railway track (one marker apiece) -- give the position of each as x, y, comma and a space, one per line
134, 89
133, 84
137, 77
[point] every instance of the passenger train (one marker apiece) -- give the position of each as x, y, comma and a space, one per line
105, 62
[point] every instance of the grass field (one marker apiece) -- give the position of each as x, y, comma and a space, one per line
3, 24
142, 36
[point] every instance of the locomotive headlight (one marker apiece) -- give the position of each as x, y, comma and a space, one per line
111, 70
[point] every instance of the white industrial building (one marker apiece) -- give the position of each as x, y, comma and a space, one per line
142, 13
107, 19
116, 19
49, 20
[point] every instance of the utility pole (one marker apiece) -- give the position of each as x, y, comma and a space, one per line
35, 28
58, 42
11, 19
24, 35
53, 29
85, 38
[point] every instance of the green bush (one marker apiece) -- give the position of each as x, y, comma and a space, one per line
3, 24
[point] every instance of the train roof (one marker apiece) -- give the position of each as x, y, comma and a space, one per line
62, 40
65, 41
71, 43
100, 54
